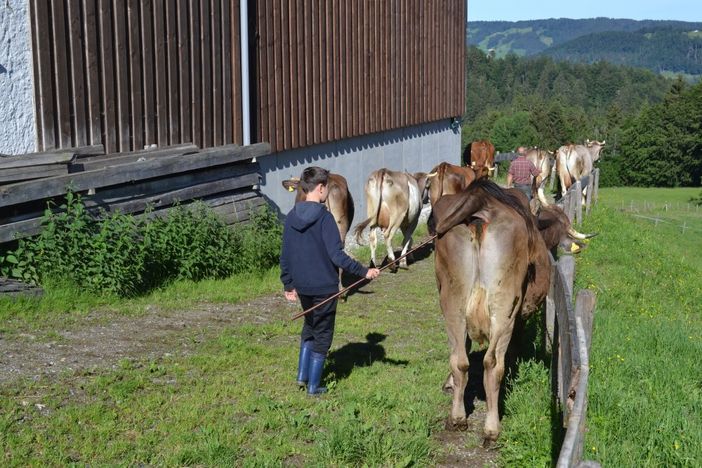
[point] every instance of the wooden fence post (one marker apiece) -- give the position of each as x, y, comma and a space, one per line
579, 202
585, 308
588, 195
551, 307
567, 263
596, 184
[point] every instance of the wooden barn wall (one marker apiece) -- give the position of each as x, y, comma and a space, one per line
130, 73
329, 70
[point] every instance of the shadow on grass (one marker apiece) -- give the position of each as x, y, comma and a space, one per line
343, 360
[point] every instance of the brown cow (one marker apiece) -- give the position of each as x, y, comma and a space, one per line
447, 179
339, 201
482, 157
492, 267
393, 201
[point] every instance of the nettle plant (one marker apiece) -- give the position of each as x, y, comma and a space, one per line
114, 253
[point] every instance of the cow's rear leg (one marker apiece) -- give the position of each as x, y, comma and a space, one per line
494, 370
389, 234
373, 241
407, 242
458, 363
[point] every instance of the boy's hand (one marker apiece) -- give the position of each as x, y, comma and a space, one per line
372, 273
291, 295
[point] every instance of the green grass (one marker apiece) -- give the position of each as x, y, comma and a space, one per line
645, 393
234, 402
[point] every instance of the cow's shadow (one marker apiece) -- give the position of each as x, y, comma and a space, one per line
352, 355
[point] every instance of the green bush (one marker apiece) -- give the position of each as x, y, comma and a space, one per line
126, 256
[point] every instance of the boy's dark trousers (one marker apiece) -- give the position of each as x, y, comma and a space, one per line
315, 341
319, 324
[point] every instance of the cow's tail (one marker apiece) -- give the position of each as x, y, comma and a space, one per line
373, 220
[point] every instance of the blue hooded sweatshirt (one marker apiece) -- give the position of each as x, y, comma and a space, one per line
312, 252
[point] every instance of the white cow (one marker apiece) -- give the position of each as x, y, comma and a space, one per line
573, 162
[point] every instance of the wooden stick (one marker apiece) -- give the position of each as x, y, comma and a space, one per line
314, 307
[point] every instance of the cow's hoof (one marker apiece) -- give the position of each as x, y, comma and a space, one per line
456, 425
488, 443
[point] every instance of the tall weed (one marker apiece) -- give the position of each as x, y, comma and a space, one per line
123, 255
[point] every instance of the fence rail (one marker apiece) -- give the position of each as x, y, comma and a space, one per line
569, 333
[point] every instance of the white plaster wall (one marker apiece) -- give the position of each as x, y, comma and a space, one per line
17, 132
413, 149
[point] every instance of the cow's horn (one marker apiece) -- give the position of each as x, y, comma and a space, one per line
578, 235
431, 174
603, 142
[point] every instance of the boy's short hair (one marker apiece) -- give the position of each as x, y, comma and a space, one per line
313, 176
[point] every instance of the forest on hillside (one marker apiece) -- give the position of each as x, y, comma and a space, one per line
652, 125
660, 46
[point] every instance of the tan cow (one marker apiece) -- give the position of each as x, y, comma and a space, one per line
573, 162
339, 201
446, 179
492, 268
393, 201
482, 157
543, 160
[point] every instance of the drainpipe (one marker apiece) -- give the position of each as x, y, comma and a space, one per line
245, 111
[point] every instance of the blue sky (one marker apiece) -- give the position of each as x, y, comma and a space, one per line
515, 10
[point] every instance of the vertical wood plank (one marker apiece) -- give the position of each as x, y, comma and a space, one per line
309, 86
36, 67
206, 74
62, 80
314, 24
148, 73
184, 96
228, 101
285, 77
270, 79
173, 67
238, 132
300, 78
161, 71
109, 125
217, 124
136, 83
344, 70
78, 91
323, 74
355, 110
293, 77
122, 74
92, 54
278, 78
263, 74
195, 73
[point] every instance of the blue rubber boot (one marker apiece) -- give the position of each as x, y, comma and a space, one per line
316, 368
303, 363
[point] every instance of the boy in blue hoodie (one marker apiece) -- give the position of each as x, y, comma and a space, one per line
311, 256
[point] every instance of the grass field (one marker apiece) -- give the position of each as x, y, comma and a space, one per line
645, 393
232, 401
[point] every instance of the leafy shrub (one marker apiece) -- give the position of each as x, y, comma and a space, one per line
123, 255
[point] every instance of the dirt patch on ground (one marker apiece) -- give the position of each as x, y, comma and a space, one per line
102, 340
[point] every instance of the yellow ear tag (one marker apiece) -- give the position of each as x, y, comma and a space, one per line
574, 248
290, 188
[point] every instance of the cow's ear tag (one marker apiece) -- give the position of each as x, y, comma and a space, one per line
290, 188
574, 248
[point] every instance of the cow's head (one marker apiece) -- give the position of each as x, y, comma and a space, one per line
422, 179
595, 148
293, 185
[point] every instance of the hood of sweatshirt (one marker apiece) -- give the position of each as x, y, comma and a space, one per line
305, 214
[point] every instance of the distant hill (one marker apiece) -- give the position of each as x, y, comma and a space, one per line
660, 46
660, 50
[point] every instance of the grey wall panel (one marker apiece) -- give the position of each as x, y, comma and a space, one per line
412, 149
